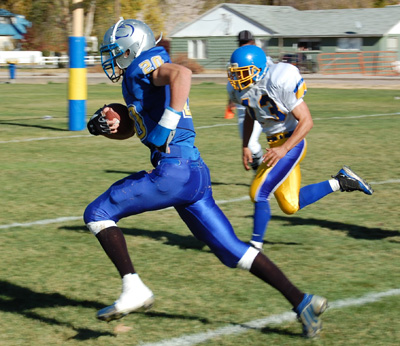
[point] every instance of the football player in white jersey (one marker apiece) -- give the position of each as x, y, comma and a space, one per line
273, 96
245, 38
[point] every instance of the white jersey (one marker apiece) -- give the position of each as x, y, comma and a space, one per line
271, 100
253, 144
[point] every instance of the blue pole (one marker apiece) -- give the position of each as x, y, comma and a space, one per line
12, 70
77, 89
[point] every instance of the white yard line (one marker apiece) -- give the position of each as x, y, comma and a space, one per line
390, 181
357, 116
194, 339
42, 222
198, 128
75, 218
42, 139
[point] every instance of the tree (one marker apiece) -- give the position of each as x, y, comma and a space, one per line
153, 16
51, 20
89, 20
383, 3
16, 6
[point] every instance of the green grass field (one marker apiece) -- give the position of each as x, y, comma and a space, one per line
54, 275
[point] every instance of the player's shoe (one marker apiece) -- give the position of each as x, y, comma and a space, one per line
308, 313
350, 181
135, 296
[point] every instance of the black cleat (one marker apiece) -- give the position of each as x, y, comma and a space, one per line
350, 181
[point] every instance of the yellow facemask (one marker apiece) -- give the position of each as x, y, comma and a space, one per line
242, 77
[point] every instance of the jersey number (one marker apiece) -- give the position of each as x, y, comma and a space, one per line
266, 101
186, 111
152, 64
139, 124
140, 128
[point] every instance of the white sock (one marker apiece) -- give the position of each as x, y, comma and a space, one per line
257, 244
334, 184
131, 280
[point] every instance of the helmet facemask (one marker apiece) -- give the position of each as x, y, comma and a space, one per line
243, 77
109, 53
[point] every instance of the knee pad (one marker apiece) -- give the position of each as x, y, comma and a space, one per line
97, 226
248, 258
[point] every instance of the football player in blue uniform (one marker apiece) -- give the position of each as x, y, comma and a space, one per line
273, 96
156, 92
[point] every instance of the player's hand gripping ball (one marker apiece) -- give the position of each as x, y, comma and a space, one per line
110, 113
106, 120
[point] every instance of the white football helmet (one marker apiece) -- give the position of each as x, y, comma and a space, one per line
123, 43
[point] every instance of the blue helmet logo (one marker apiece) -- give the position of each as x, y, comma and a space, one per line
127, 34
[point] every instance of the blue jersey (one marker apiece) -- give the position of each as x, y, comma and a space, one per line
180, 179
147, 102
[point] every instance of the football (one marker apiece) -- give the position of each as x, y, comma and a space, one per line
126, 127
116, 110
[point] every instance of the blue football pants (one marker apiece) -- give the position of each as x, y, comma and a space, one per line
179, 183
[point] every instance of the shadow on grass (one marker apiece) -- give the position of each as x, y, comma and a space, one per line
174, 316
185, 242
125, 173
280, 331
189, 242
21, 300
354, 231
35, 126
216, 183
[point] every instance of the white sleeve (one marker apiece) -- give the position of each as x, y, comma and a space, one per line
288, 86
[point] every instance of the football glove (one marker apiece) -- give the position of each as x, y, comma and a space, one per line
97, 124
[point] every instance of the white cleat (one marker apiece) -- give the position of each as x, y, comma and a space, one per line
135, 296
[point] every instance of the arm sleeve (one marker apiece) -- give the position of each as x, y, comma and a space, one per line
289, 86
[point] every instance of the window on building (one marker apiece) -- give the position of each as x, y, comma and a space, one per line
197, 49
349, 43
309, 44
262, 43
392, 43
